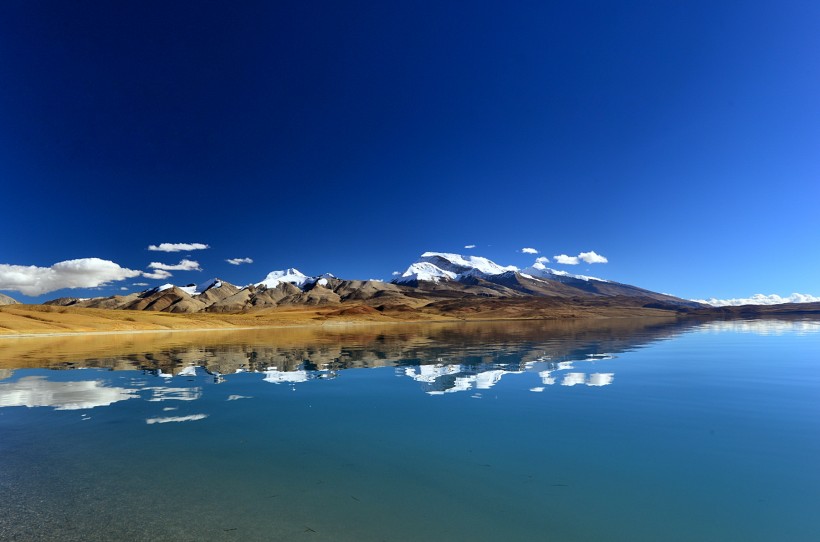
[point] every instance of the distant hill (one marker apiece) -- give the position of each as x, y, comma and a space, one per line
6, 300
439, 283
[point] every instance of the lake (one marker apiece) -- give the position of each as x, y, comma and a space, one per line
609, 430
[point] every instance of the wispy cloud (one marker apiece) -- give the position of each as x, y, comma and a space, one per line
588, 257
239, 261
566, 260
528, 250
396, 273
592, 257
178, 247
139, 284
469, 246
760, 299
81, 273
183, 265
159, 274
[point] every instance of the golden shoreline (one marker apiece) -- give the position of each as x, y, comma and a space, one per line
30, 321
38, 321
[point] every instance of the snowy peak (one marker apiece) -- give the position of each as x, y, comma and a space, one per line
295, 277
437, 266
201, 288
191, 289
207, 285
424, 271
291, 275
540, 270
458, 264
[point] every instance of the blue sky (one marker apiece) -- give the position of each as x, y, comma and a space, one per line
681, 140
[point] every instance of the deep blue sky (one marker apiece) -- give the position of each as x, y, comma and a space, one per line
681, 140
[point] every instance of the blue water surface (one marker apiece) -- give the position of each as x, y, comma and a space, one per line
708, 431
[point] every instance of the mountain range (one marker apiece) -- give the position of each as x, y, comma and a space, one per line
439, 283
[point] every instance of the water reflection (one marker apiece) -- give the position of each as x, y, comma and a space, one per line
763, 327
440, 379
299, 374
439, 359
176, 419
339, 347
174, 394
37, 391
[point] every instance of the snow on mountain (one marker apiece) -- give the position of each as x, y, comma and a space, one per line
207, 285
456, 263
436, 266
191, 290
291, 275
295, 277
538, 269
424, 271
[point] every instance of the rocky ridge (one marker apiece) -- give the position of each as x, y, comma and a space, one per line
438, 282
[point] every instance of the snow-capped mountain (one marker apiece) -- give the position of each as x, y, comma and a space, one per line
191, 289
442, 271
295, 277
540, 270
437, 266
439, 282
424, 271
291, 275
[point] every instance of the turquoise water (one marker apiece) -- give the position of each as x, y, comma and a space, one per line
655, 432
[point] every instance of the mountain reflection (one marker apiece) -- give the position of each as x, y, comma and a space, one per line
441, 359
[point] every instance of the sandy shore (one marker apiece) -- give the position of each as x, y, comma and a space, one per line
42, 320
18, 321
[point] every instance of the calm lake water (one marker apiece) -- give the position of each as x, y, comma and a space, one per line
616, 430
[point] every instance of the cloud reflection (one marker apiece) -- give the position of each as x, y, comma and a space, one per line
36, 391
763, 327
163, 393
176, 419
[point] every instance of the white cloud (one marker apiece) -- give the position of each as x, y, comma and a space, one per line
760, 299
588, 257
183, 265
469, 246
123, 288
178, 247
159, 274
139, 284
81, 273
396, 273
592, 257
566, 260
528, 250
542, 259
239, 261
